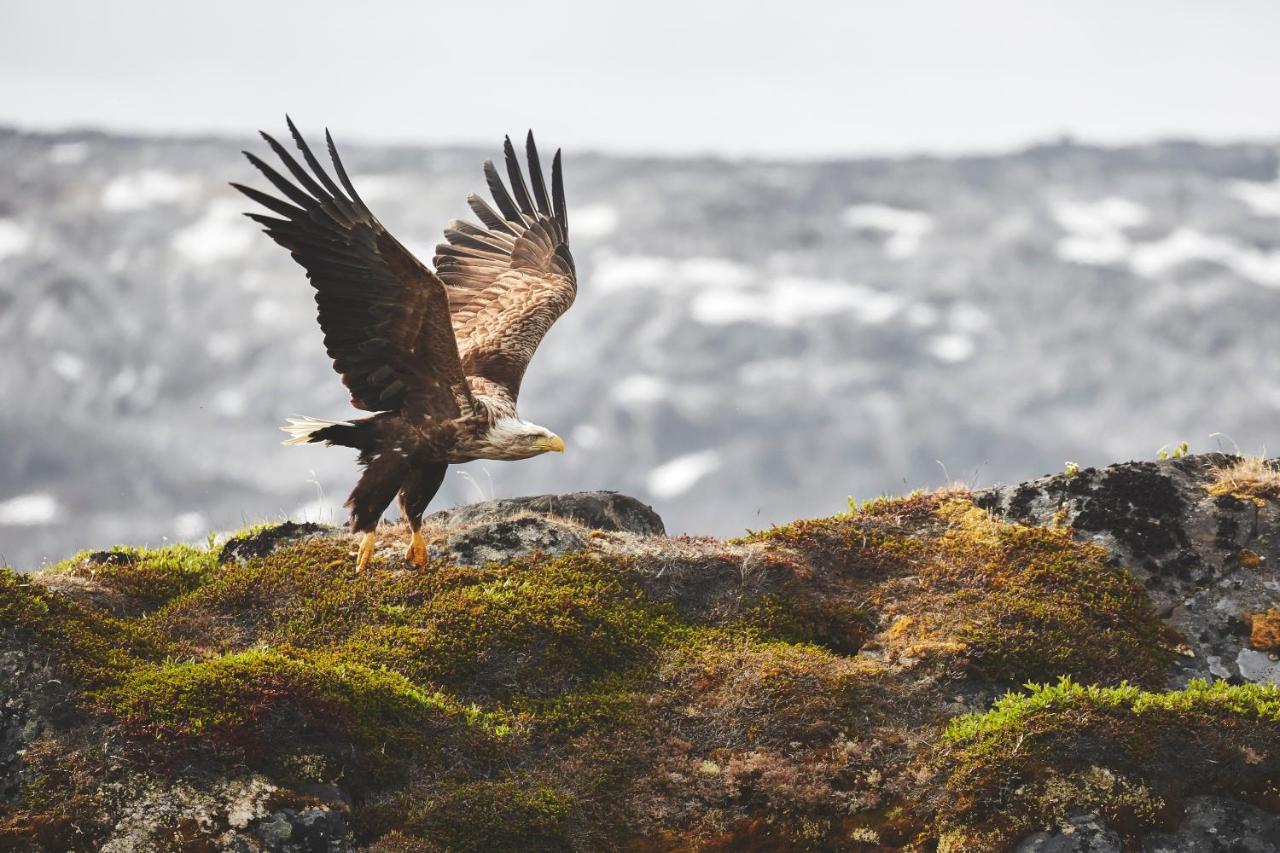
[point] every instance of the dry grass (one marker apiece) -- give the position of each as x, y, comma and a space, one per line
1251, 478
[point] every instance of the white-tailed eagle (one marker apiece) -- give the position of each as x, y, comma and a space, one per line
436, 356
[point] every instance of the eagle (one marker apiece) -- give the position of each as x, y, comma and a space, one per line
437, 356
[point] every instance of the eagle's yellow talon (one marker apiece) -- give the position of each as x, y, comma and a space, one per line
417, 552
366, 552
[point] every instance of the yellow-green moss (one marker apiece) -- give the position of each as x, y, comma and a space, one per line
91, 646
536, 626
150, 576
483, 815
1045, 605
1122, 752
271, 705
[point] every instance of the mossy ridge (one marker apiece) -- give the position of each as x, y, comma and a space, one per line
94, 648
267, 706
1128, 754
151, 577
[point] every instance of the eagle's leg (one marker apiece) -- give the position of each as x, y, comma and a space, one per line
366, 551
382, 478
419, 488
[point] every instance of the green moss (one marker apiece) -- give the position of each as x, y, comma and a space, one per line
1047, 605
94, 648
483, 816
150, 576
1125, 753
270, 706
831, 623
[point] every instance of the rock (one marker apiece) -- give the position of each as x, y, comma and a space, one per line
1218, 825
783, 690
266, 541
1080, 834
593, 510
311, 830
1204, 559
512, 538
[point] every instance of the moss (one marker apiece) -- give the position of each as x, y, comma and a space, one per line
149, 576
1128, 754
1047, 605
270, 706
535, 627
483, 816
832, 624
94, 648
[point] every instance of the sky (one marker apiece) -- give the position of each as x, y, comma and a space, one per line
787, 79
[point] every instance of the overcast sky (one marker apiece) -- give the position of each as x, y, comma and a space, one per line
786, 78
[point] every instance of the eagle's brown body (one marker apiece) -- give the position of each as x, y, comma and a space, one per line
437, 356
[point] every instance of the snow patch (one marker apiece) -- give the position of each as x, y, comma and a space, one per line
190, 525
790, 300
595, 220
1095, 229
587, 436
625, 272
14, 239
220, 234
1261, 198
1187, 244
33, 510
681, 474
144, 189
70, 367
904, 229
951, 349
230, 402
639, 390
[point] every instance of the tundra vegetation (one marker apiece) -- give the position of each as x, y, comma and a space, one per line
914, 673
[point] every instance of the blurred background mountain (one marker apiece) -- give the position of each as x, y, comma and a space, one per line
754, 340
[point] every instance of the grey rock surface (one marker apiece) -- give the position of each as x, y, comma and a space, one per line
1207, 562
1080, 834
511, 538
1217, 825
600, 510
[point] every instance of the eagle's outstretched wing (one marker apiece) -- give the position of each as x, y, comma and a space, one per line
511, 279
384, 315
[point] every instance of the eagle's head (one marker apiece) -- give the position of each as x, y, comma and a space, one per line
512, 438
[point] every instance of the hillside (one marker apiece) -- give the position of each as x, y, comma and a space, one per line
741, 319
565, 676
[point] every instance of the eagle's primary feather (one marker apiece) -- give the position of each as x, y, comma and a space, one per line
437, 356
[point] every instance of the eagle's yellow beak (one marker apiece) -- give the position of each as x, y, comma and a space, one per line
553, 442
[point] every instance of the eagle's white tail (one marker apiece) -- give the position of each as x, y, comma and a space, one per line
300, 428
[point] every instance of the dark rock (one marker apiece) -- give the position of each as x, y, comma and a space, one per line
594, 510
1081, 834
266, 541
1186, 546
1217, 825
312, 830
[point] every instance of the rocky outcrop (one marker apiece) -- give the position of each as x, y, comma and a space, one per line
564, 677
592, 510
1208, 561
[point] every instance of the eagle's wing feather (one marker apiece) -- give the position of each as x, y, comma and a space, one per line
384, 315
511, 278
